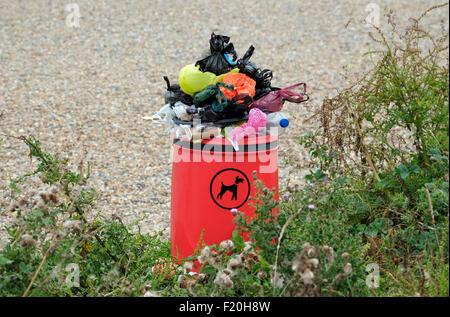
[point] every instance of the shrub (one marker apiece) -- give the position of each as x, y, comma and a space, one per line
55, 249
394, 190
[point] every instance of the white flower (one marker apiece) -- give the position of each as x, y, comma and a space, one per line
201, 277
181, 279
235, 263
277, 280
206, 251
72, 225
261, 274
188, 266
223, 280
307, 276
295, 266
314, 262
226, 245
347, 268
311, 252
27, 239
202, 259
151, 294
248, 246
330, 254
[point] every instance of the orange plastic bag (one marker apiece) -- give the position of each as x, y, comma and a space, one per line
242, 85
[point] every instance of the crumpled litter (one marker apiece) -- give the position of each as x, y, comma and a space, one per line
256, 120
231, 97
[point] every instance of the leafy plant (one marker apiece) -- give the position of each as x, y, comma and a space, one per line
55, 249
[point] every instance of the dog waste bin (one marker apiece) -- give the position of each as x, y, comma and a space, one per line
209, 179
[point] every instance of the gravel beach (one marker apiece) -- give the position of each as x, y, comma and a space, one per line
82, 91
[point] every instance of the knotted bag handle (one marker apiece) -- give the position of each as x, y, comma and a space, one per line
247, 55
243, 100
167, 82
292, 96
264, 78
218, 42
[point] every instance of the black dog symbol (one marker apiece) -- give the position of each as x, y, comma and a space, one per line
232, 188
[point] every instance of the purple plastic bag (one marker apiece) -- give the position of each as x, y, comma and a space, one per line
274, 100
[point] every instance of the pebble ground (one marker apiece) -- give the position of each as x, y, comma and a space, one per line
83, 90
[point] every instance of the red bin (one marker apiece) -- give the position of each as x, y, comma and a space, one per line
209, 179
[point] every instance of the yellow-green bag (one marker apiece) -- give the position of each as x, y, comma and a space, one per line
191, 79
220, 77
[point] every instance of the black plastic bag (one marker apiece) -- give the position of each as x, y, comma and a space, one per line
262, 77
239, 105
234, 110
209, 115
174, 94
216, 62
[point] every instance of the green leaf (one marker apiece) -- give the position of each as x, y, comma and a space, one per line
47, 221
263, 261
414, 169
38, 213
361, 207
24, 268
209, 270
436, 153
403, 171
381, 184
371, 233
4, 260
319, 174
238, 240
361, 228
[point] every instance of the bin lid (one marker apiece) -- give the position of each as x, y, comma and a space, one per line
219, 123
246, 144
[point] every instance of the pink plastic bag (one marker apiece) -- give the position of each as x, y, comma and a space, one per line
256, 120
273, 101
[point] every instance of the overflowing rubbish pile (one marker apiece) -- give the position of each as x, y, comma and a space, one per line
222, 95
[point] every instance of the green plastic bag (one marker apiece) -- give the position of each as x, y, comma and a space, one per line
208, 95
